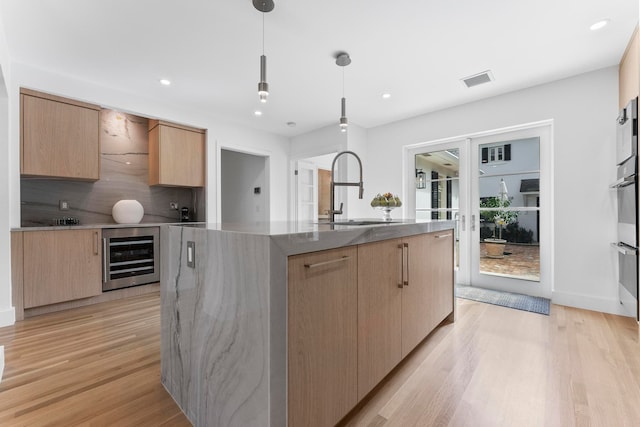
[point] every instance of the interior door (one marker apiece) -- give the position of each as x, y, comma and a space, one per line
306, 191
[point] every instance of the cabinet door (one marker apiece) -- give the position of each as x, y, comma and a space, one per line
61, 265
322, 336
441, 266
379, 311
176, 156
427, 296
59, 139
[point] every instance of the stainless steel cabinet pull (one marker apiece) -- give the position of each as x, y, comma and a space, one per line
473, 223
406, 282
440, 236
320, 264
464, 225
96, 251
104, 260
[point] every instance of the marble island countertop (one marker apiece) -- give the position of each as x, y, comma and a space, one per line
293, 237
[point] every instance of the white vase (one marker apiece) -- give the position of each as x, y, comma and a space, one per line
127, 212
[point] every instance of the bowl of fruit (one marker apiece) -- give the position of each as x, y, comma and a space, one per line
386, 203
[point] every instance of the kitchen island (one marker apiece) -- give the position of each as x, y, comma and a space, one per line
251, 311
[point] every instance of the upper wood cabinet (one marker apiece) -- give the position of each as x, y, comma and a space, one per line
60, 138
322, 336
629, 72
176, 155
61, 265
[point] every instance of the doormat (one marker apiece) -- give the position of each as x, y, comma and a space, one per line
505, 299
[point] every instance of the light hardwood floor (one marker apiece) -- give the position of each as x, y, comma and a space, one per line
99, 365
94, 365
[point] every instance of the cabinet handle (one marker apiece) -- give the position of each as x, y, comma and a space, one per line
104, 260
320, 264
96, 251
473, 223
406, 264
440, 236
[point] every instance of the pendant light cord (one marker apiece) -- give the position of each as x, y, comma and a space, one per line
263, 6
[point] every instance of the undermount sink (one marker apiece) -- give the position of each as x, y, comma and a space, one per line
365, 222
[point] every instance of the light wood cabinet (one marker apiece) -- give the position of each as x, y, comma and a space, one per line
629, 71
176, 155
322, 336
405, 289
379, 311
59, 138
61, 265
427, 295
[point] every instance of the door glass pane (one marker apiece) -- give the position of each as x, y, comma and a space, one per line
438, 186
509, 191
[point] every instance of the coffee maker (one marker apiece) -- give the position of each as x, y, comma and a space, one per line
184, 215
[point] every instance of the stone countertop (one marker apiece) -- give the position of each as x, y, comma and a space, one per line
300, 237
88, 226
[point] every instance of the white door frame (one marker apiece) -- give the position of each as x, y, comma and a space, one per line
545, 129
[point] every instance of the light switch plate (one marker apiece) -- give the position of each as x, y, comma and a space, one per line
63, 205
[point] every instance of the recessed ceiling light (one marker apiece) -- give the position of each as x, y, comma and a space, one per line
165, 82
257, 113
386, 95
599, 25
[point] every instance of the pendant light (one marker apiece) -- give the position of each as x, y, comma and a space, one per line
263, 6
342, 60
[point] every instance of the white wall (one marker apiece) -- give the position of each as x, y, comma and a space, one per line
583, 109
240, 174
219, 134
7, 172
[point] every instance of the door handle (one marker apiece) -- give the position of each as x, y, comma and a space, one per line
463, 223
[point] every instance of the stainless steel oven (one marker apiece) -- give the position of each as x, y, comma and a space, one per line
627, 194
130, 257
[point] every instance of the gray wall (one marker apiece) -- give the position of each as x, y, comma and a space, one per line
240, 174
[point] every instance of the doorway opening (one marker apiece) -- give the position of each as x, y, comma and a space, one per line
311, 189
244, 187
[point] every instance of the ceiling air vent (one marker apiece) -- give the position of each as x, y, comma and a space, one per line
478, 79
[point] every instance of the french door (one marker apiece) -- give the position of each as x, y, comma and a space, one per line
496, 186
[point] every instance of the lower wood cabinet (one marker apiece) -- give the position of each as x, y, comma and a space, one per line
427, 294
379, 311
61, 265
322, 336
354, 313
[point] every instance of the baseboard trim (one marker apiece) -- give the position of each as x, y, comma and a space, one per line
586, 302
7, 317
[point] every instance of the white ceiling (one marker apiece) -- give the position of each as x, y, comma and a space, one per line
417, 50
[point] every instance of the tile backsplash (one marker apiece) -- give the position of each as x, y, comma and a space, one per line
124, 168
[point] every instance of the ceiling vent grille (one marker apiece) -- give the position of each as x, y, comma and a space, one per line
478, 79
